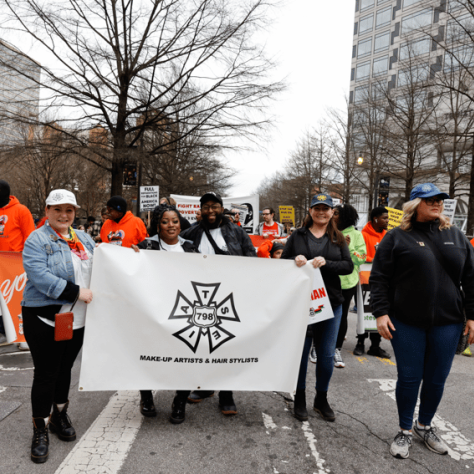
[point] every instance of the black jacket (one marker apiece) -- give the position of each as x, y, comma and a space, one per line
237, 240
153, 244
409, 283
338, 261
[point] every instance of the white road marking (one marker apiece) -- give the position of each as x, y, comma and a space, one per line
105, 445
268, 422
2, 389
461, 447
308, 433
14, 368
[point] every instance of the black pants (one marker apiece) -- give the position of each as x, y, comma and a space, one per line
181, 394
53, 361
348, 295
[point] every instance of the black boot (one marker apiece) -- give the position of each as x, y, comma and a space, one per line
322, 407
147, 407
178, 410
227, 404
301, 413
40, 443
60, 424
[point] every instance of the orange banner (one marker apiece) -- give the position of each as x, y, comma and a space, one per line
13, 281
364, 277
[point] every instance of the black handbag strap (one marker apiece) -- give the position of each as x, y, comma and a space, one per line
216, 248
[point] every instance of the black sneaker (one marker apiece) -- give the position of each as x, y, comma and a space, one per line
378, 352
359, 349
227, 404
199, 395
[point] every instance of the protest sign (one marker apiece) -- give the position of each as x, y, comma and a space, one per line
166, 321
149, 198
320, 308
287, 214
365, 320
394, 217
189, 205
13, 281
450, 208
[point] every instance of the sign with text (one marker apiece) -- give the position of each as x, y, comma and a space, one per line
287, 214
365, 320
149, 198
394, 217
13, 280
450, 208
189, 205
320, 308
201, 324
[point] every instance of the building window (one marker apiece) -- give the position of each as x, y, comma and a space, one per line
384, 17
382, 1
462, 166
409, 3
380, 67
460, 29
417, 20
362, 71
361, 94
462, 56
415, 48
366, 24
382, 42
456, 5
366, 4
414, 74
365, 48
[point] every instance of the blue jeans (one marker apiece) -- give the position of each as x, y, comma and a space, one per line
324, 337
422, 355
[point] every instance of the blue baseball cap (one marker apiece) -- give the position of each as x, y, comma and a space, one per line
322, 198
426, 190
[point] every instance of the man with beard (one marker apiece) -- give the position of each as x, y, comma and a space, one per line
216, 234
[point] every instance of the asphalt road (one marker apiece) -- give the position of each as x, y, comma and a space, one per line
263, 438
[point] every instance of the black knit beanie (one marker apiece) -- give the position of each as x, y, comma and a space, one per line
118, 203
276, 246
4, 193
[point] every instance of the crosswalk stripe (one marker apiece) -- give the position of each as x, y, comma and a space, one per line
105, 445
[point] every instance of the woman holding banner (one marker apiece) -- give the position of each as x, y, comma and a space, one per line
320, 240
58, 263
166, 222
416, 294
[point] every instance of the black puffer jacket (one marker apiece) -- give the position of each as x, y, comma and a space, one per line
338, 261
409, 283
152, 243
237, 240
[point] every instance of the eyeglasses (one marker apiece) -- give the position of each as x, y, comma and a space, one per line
266, 214
214, 207
434, 200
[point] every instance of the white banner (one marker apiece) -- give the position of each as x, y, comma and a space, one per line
189, 205
163, 321
320, 308
365, 320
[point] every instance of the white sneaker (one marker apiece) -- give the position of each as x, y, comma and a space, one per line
312, 356
401, 445
23, 346
431, 439
338, 362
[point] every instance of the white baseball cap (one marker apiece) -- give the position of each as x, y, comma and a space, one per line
61, 196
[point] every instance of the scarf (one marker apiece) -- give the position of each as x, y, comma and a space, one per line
75, 244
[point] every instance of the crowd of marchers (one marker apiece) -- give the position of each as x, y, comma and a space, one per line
410, 265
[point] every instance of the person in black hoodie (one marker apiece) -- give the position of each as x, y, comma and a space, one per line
216, 234
416, 279
320, 240
166, 221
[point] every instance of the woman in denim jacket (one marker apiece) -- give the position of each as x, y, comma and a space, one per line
58, 263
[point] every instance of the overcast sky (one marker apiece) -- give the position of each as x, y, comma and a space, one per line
312, 40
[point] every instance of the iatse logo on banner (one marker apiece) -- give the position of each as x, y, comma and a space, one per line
204, 317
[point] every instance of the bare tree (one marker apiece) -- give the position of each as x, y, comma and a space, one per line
130, 66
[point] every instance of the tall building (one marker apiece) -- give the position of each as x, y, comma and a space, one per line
19, 93
398, 44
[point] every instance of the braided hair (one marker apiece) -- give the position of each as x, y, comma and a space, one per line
157, 215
